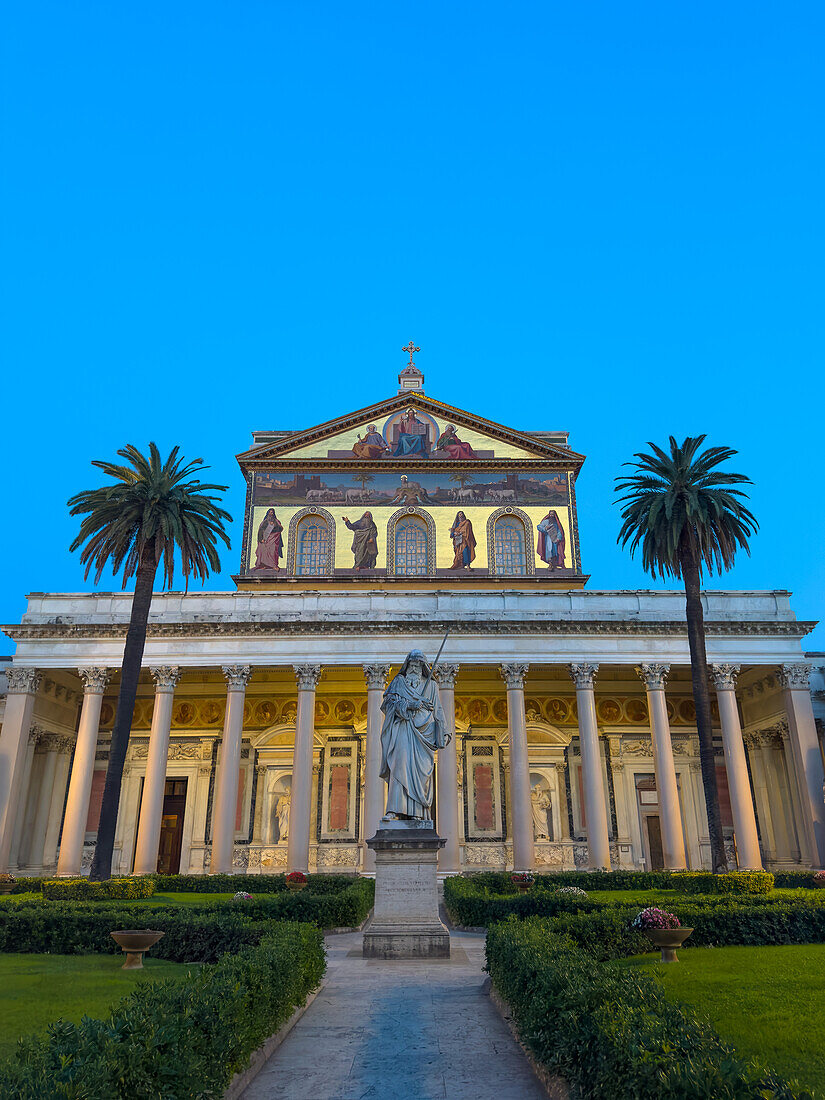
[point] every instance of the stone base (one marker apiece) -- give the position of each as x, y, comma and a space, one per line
405, 923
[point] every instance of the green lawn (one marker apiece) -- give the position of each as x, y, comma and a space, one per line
673, 897
768, 1002
40, 989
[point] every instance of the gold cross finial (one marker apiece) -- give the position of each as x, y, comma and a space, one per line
411, 348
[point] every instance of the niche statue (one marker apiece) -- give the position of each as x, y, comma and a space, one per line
414, 728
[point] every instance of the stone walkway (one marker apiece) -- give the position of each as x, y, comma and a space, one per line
399, 1031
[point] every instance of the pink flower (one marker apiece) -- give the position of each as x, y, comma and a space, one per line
652, 917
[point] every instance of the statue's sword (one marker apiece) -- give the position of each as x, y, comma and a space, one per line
435, 662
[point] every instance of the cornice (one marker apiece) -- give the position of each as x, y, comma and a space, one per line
407, 625
268, 451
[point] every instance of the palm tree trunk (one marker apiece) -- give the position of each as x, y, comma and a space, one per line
129, 677
701, 697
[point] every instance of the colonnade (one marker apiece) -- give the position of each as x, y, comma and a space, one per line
19, 753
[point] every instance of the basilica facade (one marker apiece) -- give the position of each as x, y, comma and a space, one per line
255, 744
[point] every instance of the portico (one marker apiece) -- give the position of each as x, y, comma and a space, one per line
568, 692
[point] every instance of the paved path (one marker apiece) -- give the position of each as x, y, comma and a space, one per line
399, 1031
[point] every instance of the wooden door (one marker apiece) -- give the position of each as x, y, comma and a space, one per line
654, 842
171, 826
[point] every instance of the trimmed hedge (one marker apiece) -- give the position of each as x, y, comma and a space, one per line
199, 934
732, 882
255, 884
607, 934
610, 1032
500, 881
795, 880
81, 889
472, 904
176, 1039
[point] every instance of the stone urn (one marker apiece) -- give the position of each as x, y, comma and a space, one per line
524, 887
295, 886
7, 887
134, 943
667, 939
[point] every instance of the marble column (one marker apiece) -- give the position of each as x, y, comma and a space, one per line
779, 795
449, 858
595, 808
300, 806
154, 784
670, 813
14, 739
765, 812
741, 801
25, 784
807, 757
260, 793
375, 792
61, 779
80, 782
225, 805
49, 746
521, 812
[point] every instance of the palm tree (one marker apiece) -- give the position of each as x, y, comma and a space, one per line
135, 524
687, 517
462, 477
363, 477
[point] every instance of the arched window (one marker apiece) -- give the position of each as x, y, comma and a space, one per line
312, 549
510, 557
411, 544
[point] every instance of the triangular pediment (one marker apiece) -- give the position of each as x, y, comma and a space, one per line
350, 438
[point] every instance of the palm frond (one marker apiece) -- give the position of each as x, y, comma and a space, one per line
681, 494
153, 505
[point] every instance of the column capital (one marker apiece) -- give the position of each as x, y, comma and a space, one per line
584, 676
513, 675
795, 676
653, 675
237, 676
36, 734
54, 742
446, 675
94, 680
22, 680
375, 675
771, 738
165, 677
307, 676
724, 676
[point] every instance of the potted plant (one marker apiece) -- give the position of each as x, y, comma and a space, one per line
819, 879
7, 883
663, 930
296, 880
523, 880
242, 896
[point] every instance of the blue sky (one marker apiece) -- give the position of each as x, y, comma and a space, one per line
602, 218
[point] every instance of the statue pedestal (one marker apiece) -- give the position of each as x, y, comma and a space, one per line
405, 923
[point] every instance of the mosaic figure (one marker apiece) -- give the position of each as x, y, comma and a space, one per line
270, 542
464, 542
550, 546
365, 542
451, 445
371, 446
